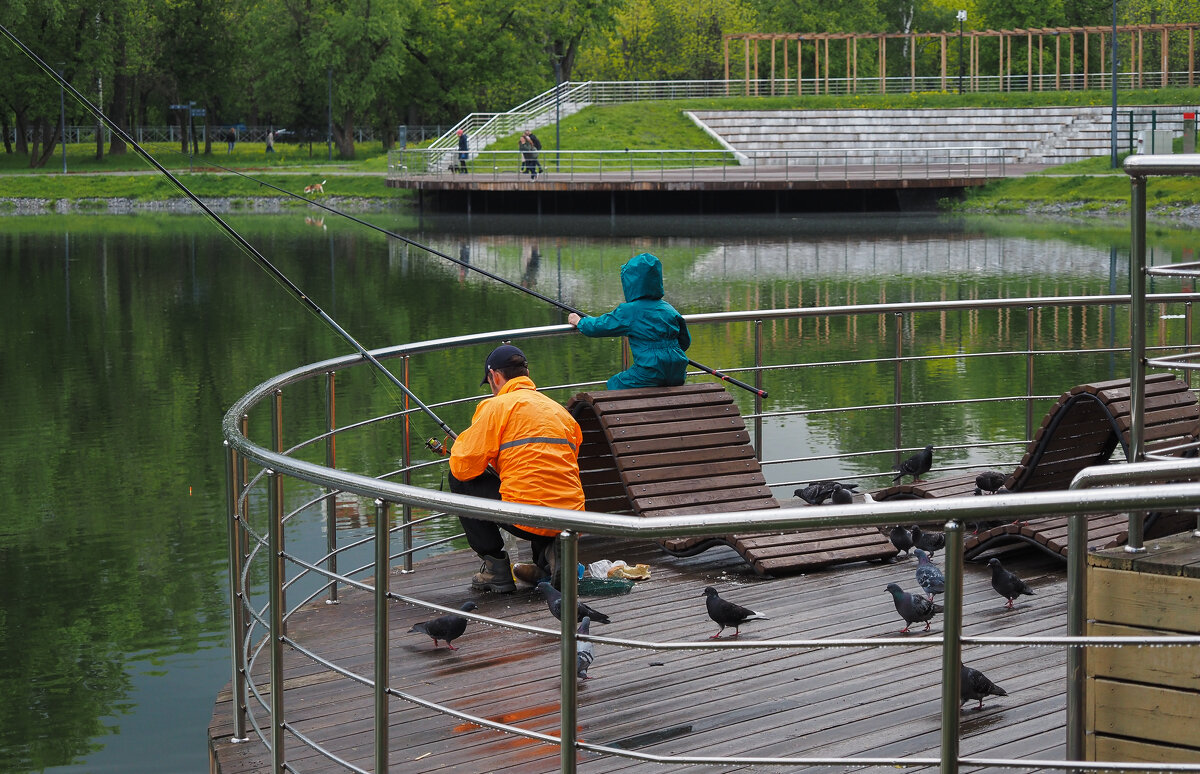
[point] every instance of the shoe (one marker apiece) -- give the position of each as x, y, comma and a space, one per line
494, 575
527, 572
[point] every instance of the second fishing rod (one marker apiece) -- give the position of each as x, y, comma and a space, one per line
469, 267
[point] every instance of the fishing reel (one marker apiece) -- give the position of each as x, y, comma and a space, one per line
437, 447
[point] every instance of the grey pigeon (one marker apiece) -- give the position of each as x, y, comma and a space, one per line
820, 491
916, 465
584, 655
1006, 583
989, 481
446, 627
931, 542
974, 684
554, 601
901, 539
913, 608
842, 495
928, 575
727, 613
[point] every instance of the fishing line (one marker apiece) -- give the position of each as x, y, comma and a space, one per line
230, 232
465, 264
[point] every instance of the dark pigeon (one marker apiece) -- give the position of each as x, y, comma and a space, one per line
913, 608
584, 655
842, 495
930, 542
974, 684
446, 627
1006, 583
727, 613
554, 601
989, 481
928, 575
901, 539
916, 465
820, 491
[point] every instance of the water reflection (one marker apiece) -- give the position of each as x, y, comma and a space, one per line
127, 338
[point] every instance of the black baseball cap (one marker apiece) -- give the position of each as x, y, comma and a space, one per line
502, 356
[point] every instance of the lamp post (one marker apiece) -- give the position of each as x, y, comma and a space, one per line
557, 93
962, 17
329, 116
62, 110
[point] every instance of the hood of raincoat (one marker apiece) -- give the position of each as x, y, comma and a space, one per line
641, 277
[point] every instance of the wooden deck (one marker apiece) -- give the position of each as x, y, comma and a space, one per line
843, 702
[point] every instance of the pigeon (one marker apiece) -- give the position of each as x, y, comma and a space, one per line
727, 613
930, 542
842, 495
928, 575
901, 539
916, 465
1007, 584
446, 627
584, 656
913, 608
974, 684
989, 481
554, 601
820, 491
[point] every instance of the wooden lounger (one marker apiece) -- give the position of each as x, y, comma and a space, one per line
1082, 429
668, 450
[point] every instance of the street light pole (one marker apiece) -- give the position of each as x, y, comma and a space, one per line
62, 109
962, 17
329, 116
557, 92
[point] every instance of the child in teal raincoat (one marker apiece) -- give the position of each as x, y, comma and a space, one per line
657, 333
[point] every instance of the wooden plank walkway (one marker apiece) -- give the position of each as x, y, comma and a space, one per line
817, 702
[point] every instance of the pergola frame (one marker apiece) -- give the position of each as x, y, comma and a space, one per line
811, 44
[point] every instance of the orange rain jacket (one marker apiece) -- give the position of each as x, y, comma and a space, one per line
531, 441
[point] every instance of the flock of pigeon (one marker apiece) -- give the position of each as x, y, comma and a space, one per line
913, 608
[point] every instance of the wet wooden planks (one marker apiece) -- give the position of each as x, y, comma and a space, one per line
730, 702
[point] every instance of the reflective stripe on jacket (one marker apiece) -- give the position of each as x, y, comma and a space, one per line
531, 441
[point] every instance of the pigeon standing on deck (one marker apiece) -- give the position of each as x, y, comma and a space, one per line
974, 684
1007, 584
554, 602
916, 465
727, 613
446, 627
842, 494
584, 655
989, 481
820, 491
930, 542
913, 608
929, 575
901, 539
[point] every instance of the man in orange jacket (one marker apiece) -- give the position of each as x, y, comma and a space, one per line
533, 444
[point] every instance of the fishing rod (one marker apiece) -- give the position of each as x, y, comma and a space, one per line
467, 265
246, 247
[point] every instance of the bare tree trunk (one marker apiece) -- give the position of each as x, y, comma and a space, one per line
6, 128
343, 136
48, 134
22, 132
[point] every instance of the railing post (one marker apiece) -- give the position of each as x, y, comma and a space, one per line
897, 432
406, 532
277, 445
758, 403
1076, 621
1028, 373
237, 627
331, 498
568, 561
1137, 342
952, 617
275, 578
382, 562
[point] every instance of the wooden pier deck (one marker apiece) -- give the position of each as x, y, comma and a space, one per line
772, 702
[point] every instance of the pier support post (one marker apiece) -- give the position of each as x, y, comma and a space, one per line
568, 561
952, 617
382, 575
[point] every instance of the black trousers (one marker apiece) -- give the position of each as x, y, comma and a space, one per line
484, 537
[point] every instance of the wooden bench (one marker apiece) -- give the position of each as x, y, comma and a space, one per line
1082, 429
659, 451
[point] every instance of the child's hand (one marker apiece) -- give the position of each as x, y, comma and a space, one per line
574, 319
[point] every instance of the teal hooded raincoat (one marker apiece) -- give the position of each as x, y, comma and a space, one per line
657, 333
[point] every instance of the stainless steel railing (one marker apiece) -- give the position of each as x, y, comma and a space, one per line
259, 513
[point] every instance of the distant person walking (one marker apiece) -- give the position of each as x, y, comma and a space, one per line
271, 142
463, 152
537, 146
528, 155
230, 139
